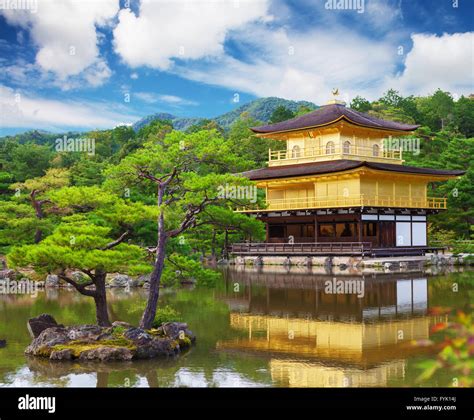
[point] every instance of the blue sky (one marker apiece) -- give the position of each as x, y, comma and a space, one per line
83, 64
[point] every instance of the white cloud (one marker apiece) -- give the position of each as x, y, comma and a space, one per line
301, 65
65, 33
146, 97
187, 38
383, 14
18, 109
342, 58
21, 73
153, 98
181, 29
445, 62
291, 63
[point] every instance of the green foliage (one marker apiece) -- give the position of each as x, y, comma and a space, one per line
206, 156
156, 130
360, 104
118, 331
445, 131
441, 236
53, 178
303, 110
77, 245
462, 247
391, 98
182, 269
101, 207
24, 161
5, 181
86, 194
281, 113
456, 353
464, 116
205, 124
261, 110
87, 172
443, 151
19, 223
19, 217
221, 227
77, 346
166, 314
94, 219
252, 151
436, 110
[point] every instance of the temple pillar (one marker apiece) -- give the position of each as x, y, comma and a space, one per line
360, 227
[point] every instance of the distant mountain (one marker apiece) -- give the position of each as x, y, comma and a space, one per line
260, 109
179, 123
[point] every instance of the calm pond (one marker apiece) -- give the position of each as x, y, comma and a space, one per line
258, 327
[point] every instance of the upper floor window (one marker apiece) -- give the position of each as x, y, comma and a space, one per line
330, 148
375, 150
296, 152
346, 147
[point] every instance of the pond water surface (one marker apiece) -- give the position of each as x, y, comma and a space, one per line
258, 328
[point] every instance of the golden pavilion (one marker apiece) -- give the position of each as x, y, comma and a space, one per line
339, 187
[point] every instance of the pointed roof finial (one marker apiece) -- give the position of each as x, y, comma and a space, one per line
334, 100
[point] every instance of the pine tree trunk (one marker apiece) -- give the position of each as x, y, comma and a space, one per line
38, 235
39, 215
155, 279
225, 251
100, 299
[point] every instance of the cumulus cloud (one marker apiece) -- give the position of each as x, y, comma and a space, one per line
197, 40
18, 109
300, 65
445, 62
307, 65
65, 33
165, 30
383, 14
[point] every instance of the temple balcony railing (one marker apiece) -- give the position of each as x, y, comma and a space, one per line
361, 200
307, 248
319, 154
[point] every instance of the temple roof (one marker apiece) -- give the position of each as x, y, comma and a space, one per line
317, 168
329, 114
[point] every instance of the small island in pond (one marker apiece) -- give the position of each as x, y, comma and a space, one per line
119, 342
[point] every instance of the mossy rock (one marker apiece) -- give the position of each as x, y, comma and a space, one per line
116, 343
77, 347
184, 342
44, 351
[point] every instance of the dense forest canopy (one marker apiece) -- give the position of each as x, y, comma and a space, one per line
32, 170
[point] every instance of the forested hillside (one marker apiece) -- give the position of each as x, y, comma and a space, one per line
260, 109
446, 141
41, 188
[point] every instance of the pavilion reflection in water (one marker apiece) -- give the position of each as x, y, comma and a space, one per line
316, 339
